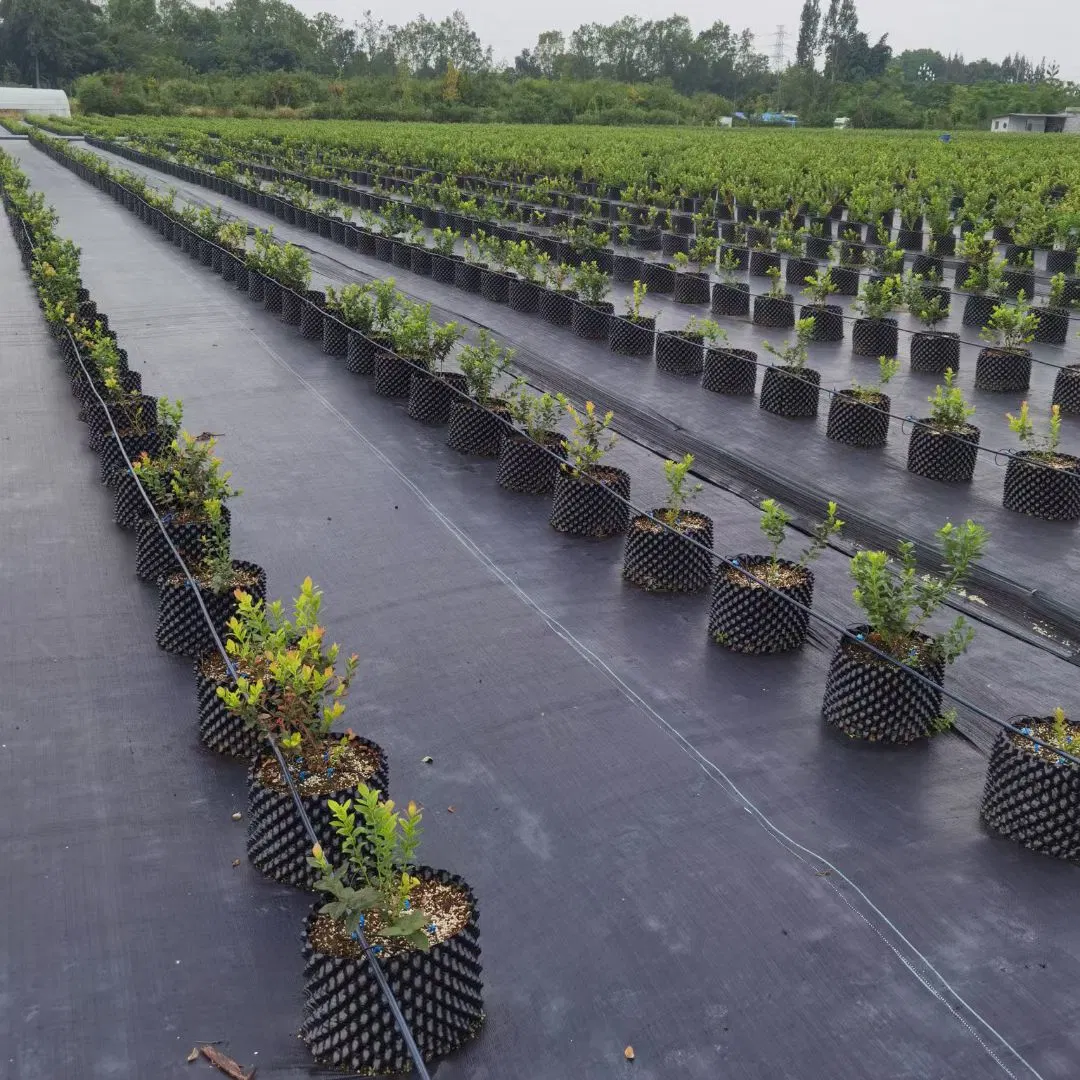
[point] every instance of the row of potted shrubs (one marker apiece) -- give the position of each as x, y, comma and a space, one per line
279, 684
1040, 480
884, 681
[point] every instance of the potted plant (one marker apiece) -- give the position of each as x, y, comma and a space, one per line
681, 352
129, 506
294, 706
875, 332
982, 276
232, 236
590, 497
443, 259
432, 390
828, 318
530, 453
775, 308
730, 297
524, 288
633, 334
256, 632
591, 314
944, 446
418, 924
1053, 316
477, 423
876, 695
692, 286
467, 271
860, 416
180, 483
1005, 364
728, 370
938, 214
761, 603
1040, 480
494, 281
625, 267
670, 549
933, 351
1032, 791
790, 388
354, 305
182, 626
557, 300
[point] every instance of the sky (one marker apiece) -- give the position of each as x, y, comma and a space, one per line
976, 28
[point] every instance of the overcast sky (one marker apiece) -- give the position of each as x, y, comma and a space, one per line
976, 28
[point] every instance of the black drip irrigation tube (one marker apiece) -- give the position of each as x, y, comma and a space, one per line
844, 632
380, 976
1035, 604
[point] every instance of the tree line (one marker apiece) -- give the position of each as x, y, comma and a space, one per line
176, 55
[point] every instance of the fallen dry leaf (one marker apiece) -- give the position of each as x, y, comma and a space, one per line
628, 1053
237, 816
236, 862
450, 810
194, 1055
226, 1064
427, 759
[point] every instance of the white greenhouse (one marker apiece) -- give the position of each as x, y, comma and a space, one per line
26, 99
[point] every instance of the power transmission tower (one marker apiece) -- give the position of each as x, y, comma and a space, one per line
779, 58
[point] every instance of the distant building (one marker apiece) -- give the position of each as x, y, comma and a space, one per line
841, 123
20, 100
1038, 123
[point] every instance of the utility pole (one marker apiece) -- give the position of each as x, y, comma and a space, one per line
778, 56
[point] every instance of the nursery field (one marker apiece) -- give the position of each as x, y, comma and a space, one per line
702, 514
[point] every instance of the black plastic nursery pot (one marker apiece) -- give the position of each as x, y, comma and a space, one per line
475, 429
680, 353
910, 239
1053, 328
627, 268
659, 277
777, 312
467, 277
312, 309
730, 299
978, 309
761, 262
393, 376
927, 266
431, 395
790, 392
272, 296
527, 465
828, 321
870, 698
943, 244
1067, 389
523, 296
799, 269
934, 351
1033, 797
662, 559
730, 371
113, 451
557, 307
181, 626
846, 280
591, 505
875, 337
858, 422
494, 286
1017, 282
444, 268
1060, 261
1001, 370
591, 321
363, 350
277, 843
347, 1024
129, 506
291, 305
632, 338
154, 560
255, 286
420, 261
127, 412
401, 255
219, 729
818, 247
243, 277
384, 249
335, 336
948, 456
691, 288
1042, 489
748, 617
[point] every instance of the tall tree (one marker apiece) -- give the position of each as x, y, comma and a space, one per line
809, 27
